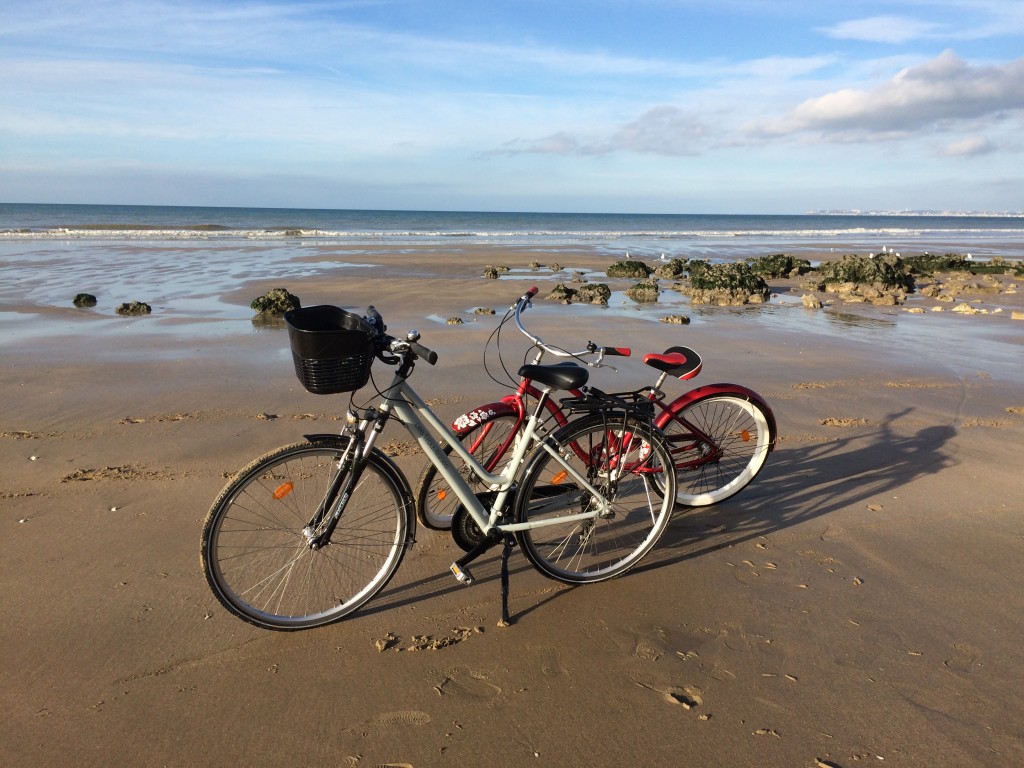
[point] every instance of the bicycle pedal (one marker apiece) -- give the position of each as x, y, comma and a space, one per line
461, 573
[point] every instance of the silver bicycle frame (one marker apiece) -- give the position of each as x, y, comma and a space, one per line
404, 403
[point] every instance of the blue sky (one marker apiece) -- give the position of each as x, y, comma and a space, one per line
657, 106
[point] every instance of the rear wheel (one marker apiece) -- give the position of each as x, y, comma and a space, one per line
623, 458
719, 443
257, 555
488, 442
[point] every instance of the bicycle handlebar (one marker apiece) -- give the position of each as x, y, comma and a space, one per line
386, 342
524, 302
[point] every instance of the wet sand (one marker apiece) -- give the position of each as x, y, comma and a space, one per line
857, 605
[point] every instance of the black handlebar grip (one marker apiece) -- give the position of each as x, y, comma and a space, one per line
423, 353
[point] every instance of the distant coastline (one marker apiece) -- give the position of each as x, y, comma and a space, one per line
911, 213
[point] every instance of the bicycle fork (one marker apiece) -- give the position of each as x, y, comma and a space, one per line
350, 467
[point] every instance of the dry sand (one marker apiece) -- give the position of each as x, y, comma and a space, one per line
859, 604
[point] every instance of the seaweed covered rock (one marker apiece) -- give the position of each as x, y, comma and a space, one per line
493, 273
134, 308
593, 293
84, 300
675, 320
695, 266
927, 264
276, 301
628, 268
671, 270
725, 285
883, 280
888, 271
779, 265
645, 291
562, 293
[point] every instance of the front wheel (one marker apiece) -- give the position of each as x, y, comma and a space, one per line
624, 459
719, 443
257, 555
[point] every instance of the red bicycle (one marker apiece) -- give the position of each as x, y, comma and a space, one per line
719, 435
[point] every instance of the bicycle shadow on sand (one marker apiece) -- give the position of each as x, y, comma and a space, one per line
799, 483
804, 482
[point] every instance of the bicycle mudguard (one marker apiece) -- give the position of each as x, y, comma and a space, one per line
735, 390
508, 406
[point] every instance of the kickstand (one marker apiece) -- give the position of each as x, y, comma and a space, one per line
505, 552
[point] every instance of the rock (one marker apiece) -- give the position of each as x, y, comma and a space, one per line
492, 273
593, 293
675, 320
966, 309
84, 300
483, 311
645, 292
887, 271
628, 268
562, 293
455, 321
779, 265
729, 284
276, 301
1017, 316
134, 308
811, 301
671, 270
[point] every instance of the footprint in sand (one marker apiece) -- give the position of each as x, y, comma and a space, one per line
387, 721
464, 683
964, 660
550, 661
686, 696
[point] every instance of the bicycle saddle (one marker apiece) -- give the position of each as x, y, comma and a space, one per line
557, 376
681, 362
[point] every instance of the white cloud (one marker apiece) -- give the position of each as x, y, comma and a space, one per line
663, 130
882, 29
968, 147
938, 93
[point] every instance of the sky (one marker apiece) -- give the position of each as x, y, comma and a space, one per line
633, 106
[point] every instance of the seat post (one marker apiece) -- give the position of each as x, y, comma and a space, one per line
541, 401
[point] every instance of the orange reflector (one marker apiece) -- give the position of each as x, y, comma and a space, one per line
441, 494
745, 435
559, 478
283, 489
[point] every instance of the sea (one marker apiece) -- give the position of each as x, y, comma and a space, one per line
188, 259
688, 235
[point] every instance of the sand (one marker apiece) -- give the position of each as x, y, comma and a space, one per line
859, 604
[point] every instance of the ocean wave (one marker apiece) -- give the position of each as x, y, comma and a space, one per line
219, 232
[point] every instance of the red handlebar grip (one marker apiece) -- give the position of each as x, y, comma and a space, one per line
621, 351
532, 292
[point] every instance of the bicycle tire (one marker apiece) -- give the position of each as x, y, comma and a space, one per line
487, 441
258, 561
723, 453
580, 552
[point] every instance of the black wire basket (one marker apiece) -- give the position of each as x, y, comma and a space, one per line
331, 349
